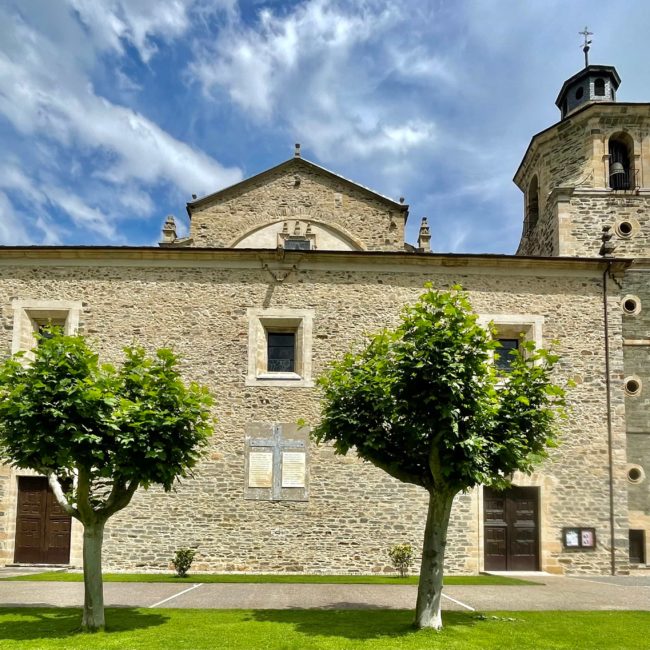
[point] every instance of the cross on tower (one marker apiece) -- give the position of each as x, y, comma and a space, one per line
585, 47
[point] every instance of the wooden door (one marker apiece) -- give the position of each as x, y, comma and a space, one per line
42, 527
511, 530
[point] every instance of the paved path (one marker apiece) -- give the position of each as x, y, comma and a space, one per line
552, 593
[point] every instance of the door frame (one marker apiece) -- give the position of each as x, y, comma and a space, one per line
13, 529
537, 490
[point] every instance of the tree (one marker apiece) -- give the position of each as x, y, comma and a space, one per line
425, 403
98, 433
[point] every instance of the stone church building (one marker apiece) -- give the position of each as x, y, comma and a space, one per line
289, 269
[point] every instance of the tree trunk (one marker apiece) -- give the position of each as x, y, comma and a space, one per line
427, 610
93, 616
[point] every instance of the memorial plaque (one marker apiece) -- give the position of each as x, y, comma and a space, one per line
293, 469
260, 469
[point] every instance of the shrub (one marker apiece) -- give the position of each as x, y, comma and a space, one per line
401, 555
183, 561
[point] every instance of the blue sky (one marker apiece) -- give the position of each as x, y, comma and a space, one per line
113, 112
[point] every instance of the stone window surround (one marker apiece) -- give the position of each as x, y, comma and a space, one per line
260, 321
514, 325
25, 313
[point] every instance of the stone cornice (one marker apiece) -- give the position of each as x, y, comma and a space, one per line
386, 261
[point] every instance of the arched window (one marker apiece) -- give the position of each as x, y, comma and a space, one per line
621, 150
599, 87
532, 203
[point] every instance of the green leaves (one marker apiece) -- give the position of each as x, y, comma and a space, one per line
64, 412
425, 403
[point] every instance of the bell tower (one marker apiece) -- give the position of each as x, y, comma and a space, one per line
588, 171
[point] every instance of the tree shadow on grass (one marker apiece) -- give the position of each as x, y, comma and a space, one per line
30, 623
345, 621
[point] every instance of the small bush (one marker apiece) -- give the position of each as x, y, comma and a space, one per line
183, 561
401, 555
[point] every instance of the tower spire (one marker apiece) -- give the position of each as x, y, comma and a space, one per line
585, 46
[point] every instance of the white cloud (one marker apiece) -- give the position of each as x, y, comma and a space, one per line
82, 214
318, 69
47, 96
37, 100
11, 228
112, 23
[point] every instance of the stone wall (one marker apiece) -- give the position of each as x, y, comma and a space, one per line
572, 164
299, 190
636, 333
197, 301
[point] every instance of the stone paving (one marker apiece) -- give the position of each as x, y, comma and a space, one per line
551, 593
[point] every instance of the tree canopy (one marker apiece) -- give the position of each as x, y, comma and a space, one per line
99, 431
425, 402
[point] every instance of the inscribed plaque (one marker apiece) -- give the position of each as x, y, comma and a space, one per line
293, 469
260, 469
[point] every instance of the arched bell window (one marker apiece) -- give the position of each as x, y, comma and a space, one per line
532, 203
620, 156
599, 87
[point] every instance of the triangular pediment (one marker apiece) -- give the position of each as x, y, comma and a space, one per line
341, 214
293, 165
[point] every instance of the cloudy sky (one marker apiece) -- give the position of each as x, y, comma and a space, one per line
113, 112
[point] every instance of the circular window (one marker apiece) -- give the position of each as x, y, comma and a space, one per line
625, 229
580, 92
632, 385
635, 473
631, 305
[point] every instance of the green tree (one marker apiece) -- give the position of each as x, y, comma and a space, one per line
425, 403
99, 432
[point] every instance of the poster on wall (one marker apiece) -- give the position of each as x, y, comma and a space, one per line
579, 538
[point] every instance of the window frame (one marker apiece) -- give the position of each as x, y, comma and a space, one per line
30, 314
263, 321
523, 327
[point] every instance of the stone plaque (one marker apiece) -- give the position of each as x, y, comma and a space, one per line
293, 469
260, 469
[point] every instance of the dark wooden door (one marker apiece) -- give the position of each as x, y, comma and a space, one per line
511, 529
42, 527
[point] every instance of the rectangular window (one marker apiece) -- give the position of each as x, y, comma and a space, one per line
43, 327
297, 244
279, 347
281, 351
503, 356
511, 330
31, 316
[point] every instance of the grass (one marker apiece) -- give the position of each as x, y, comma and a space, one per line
147, 629
61, 576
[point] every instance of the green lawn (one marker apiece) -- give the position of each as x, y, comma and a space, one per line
61, 576
168, 629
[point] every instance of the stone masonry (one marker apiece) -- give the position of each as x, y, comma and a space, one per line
196, 301
298, 189
571, 161
198, 295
